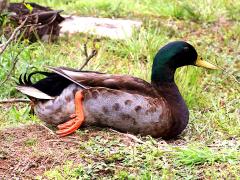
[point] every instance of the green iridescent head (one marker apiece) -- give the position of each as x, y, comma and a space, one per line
172, 56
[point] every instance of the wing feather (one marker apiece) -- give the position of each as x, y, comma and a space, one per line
118, 82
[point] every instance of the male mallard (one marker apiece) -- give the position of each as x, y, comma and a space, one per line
123, 102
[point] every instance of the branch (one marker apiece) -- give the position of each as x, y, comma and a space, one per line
14, 101
131, 136
12, 68
88, 57
231, 75
85, 50
49, 130
12, 37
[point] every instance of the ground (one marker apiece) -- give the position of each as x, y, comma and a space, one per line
28, 151
209, 148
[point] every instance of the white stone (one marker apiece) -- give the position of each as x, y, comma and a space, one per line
106, 27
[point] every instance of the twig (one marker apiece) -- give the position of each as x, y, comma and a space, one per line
12, 37
4, 46
63, 140
49, 130
93, 53
88, 57
231, 75
12, 68
129, 136
85, 50
14, 101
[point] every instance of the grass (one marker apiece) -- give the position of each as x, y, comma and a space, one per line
186, 9
145, 161
208, 148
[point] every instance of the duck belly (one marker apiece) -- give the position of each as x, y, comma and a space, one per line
126, 112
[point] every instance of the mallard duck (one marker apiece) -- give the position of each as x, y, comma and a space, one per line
122, 102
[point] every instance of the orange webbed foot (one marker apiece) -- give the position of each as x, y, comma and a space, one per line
76, 119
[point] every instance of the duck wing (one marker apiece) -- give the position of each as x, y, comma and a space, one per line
118, 82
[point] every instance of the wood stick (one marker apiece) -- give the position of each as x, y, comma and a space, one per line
48, 129
14, 101
131, 136
93, 53
15, 60
88, 57
12, 37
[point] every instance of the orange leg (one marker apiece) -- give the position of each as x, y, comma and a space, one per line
77, 119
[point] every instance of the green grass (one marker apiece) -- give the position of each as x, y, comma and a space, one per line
196, 156
145, 161
209, 147
186, 9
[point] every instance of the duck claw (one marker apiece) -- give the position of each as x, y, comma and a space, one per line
73, 125
77, 119
67, 124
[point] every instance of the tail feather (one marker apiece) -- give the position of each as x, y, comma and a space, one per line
61, 73
33, 92
52, 85
47, 88
25, 79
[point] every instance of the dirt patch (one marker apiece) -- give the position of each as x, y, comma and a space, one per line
30, 150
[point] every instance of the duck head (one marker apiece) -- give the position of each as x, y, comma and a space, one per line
172, 56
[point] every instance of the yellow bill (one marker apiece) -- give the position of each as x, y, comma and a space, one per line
201, 63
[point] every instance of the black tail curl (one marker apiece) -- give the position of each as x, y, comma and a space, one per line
25, 80
53, 84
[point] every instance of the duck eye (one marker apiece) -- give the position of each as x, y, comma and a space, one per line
186, 48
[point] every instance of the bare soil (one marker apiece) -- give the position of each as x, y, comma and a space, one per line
28, 151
